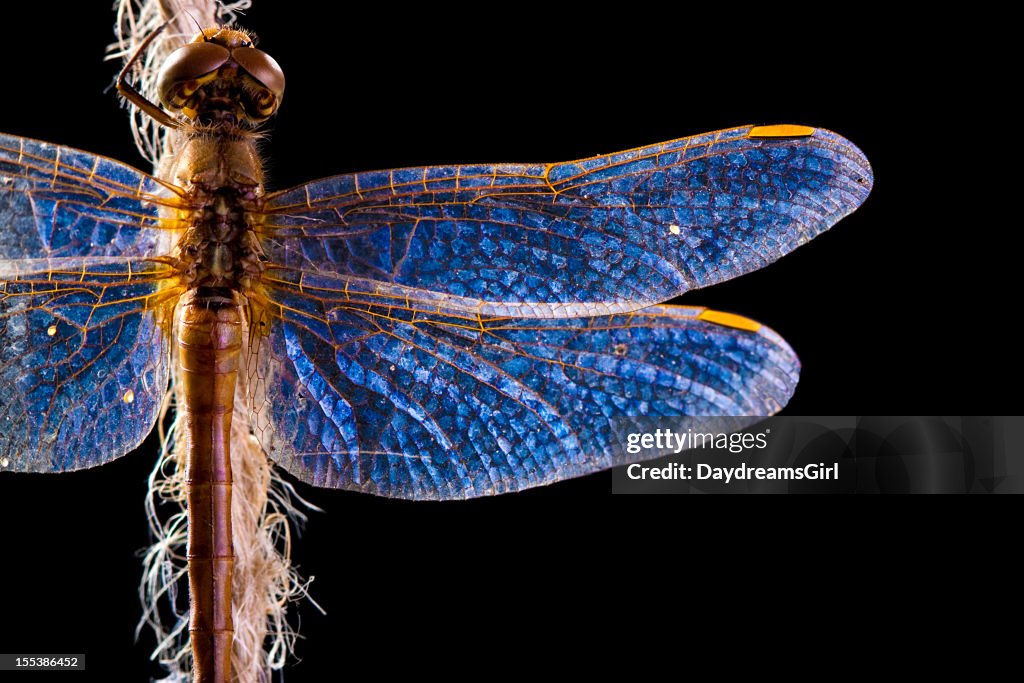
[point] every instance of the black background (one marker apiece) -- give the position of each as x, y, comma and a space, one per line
894, 311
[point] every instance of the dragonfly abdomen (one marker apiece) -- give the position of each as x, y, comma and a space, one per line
209, 337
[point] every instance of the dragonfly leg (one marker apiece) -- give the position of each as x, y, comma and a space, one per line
128, 91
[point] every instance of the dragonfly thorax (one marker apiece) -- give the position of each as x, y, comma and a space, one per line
219, 249
223, 180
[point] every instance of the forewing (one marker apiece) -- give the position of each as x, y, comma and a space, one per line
83, 363
413, 405
597, 236
63, 203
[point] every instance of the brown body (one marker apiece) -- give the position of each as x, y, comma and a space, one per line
209, 342
218, 255
219, 88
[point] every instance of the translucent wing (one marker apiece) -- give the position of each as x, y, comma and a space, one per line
403, 403
83, 364
597, 236
58, 202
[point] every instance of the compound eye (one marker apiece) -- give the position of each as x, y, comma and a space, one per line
183, 72
262, 67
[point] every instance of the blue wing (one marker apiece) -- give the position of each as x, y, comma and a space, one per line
83, 368
597, 236
58, 202
408, 404
83, 363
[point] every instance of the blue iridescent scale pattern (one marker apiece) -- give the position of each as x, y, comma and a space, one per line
430, 408
614, 232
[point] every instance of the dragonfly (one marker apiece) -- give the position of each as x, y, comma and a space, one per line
426, 333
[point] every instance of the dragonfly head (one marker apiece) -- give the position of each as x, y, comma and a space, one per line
220, 77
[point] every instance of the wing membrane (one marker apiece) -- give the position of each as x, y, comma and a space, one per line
411, 404
83, 367
83, 363
58, 202
597, 236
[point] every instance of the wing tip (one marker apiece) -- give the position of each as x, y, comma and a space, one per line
787, 365
859, 168
856, 167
